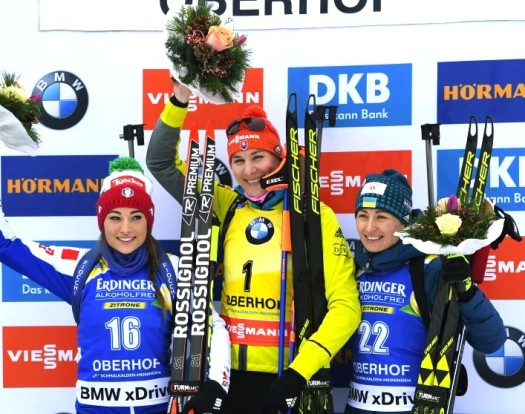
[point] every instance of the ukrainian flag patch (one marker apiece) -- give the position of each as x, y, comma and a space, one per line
369, 202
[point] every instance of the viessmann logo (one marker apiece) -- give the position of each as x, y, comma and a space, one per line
39, 356
505, 272
343, 173
157, 90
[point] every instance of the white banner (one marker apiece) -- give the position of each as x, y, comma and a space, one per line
387, 42
141, 15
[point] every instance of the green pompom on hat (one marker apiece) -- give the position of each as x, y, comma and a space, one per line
125, 163
125, 186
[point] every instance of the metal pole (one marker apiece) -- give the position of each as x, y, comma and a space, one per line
430, 134
130, 132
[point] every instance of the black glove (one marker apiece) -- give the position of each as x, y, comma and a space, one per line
456, 270
415, 213
283, 392
208, 400
509, 228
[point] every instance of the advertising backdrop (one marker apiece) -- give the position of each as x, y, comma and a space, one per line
389, 67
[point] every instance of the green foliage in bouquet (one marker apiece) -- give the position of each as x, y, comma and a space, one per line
14, 98
214, 59
450, 223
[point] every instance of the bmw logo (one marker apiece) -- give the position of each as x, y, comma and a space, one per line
259, 231
504, 368
64, 99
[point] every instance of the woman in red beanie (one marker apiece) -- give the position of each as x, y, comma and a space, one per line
252, 243
126, 319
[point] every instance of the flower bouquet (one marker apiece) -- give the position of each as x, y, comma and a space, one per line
18, 113
206, 54
450, 227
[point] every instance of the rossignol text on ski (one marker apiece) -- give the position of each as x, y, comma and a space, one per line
194, 277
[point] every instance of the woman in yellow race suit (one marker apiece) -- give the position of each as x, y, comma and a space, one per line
252, 262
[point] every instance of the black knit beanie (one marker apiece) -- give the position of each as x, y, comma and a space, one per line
388, 191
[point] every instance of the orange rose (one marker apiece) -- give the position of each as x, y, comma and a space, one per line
441, 207
220, 37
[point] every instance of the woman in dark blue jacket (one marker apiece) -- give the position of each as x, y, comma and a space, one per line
388, 346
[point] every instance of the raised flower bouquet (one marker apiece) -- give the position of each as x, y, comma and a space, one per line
18, 114
450, 227
206, 54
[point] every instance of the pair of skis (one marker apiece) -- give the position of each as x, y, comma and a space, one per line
307, 249
198, 238
302, 237
190, 340
441, 364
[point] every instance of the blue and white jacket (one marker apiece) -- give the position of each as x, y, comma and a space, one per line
123, 338
387, 348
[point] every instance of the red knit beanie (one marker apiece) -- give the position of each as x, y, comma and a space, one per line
244, 137
126, 186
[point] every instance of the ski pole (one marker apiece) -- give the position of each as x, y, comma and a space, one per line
479, 258
320, 116
286, 248
130, 132
430, 134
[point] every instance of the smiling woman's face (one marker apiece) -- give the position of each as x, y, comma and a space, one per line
250, 166
376, 229
125, 229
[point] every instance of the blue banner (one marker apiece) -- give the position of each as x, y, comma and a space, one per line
53, 185
482, 88
365, 96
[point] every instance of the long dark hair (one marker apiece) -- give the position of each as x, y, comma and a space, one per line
153, 249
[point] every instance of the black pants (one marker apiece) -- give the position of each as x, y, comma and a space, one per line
246, 393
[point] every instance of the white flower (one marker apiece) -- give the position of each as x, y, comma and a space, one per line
14, 93
448, 224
